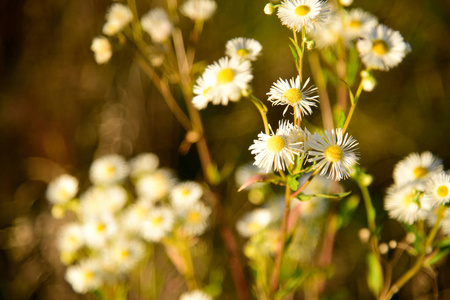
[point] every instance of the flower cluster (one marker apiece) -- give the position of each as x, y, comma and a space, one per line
113, 229
420, 186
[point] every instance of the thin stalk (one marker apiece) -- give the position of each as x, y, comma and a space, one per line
262, 110
371, 215
352, 108
341, 70
419, 263
280, 253
300, 189
325, 107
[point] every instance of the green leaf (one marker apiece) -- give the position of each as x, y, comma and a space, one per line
294, 54
293, 182
341, 119
374, 274
441, 254
295, 280
353, 65
350, 93
303, 197
332, 196
442, 244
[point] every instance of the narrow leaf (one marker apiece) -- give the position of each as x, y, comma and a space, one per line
341, 119
443, 253
260, 178
294, 54
350, 93
374, 274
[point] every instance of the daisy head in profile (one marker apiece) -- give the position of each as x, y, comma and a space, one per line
416, 167
382, 48
195, 295
356, 23
108, 169
229, 78
292, 94
243, 48
275, 151
297, 14
198, 10
334, 152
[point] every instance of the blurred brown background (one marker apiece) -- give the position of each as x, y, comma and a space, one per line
59, 109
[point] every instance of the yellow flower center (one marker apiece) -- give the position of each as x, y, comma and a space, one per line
88, 275
302, 10
442, 191
380, 47
275, 143
334, 153
124, 254
225, 76
293, 95
156, 220
184, 191
419, 172
100, 227
354, 24
410, 202
110, 170
243, 52
194, 217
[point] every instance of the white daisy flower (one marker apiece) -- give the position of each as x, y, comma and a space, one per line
243, 48
103, 200
299, 13
108, 169
85, 276
229, 78
382, 48
155, 186
334, 152
357, 22
290, 93
117, 17
416, 167
62, 189
445, 223
157, 24
275, 152
135, 214
437, 188
195, 219
329, 33
195, 295
406, 204
70, 238
158, 224
98, 231
123, 254
254, 222
198, 10
301, 136
144, 163
102, 49
186, 194
202, 91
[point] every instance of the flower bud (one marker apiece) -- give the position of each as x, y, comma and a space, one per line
346, 2
310, 45
269, 9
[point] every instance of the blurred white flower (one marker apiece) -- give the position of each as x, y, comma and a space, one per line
62, 189
102, 49
117, 17
243, 48
199, 10
109, 169
157, 24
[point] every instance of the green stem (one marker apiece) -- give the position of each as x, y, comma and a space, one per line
352, 109
262, 110
420, 261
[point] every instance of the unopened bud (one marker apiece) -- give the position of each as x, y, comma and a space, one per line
310, 45
346, 2
383, 248
410, 237
58, 211
392, 244
269, 9
364, 235
366, 179
369, 83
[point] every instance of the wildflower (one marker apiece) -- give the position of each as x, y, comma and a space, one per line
195, 295
368, 81
157, 24
329, 33
123, 254
155, 186
84, 277
269, 9
229, 78
108, 169
357, 22
335, 153
382, 48
158, 224
243, 48
62, 189
195, 218
144, 163
405, 203
437, 188
135, 214
416, 167
274, 152
70, 238
202, 91
117, 17
98, 231
297, 14
198, 10
186, 194
254, 222
290, 93
102, 49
